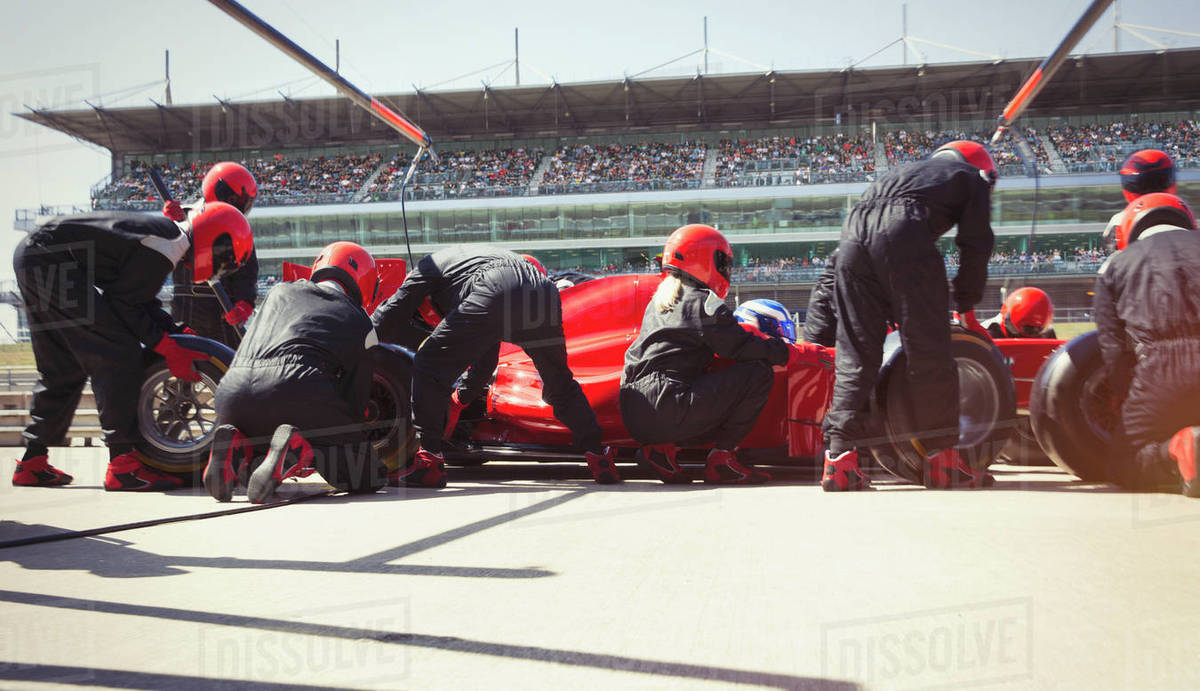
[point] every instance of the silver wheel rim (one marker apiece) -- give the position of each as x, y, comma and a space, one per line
175, 416
978, 403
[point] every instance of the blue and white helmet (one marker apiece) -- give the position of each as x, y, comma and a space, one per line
771, 317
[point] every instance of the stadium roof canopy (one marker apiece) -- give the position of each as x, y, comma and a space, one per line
943, 93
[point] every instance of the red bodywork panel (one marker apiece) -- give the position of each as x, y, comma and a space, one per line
1025, 357
601, 318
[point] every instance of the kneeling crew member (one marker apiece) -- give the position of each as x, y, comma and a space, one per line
1147, 307
667, 399
90, 284
300, 383
487, 296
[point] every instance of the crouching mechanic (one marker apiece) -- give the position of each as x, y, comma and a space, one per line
300, 384
889, 270
1147, 307
482, 296
667, 399
90, 285
1026, 313
194, 303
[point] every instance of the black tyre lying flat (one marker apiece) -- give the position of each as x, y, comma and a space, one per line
176, 419
1071, 408
987, 401
389, 411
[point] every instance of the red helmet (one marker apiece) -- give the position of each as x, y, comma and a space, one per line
703, 253
1150, 210
533, 260
221, 241
1027, 312
231, 183
351, 266
971, 153
1146, 171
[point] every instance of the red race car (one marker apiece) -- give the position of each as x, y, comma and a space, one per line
602, 316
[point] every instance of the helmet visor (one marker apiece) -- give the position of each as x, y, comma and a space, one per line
723, 263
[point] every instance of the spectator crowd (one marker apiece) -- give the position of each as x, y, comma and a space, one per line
648, 165
645, 165
802, 160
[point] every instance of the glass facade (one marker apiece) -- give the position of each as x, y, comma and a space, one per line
575, 224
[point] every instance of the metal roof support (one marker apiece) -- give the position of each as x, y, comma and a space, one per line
566, 107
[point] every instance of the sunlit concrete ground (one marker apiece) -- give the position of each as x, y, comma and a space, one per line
529, 576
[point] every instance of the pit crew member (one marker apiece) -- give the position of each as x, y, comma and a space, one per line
1026, 313
1144, 172
667, 399
298, 386
1147, 306
482, 296
90, 285
194, 303
889, 269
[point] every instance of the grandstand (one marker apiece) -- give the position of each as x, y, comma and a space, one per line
595, 175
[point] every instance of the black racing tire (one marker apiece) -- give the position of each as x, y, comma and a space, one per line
1023, 448
389, 408
1071, 409
176, 418
987, 400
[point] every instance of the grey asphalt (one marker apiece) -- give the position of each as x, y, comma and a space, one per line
524, 575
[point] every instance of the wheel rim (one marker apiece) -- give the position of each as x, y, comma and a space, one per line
978, 403
176, 416
383, 411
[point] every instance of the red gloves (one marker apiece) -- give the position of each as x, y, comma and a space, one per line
456, 408
174, 211
240, 313
968, 320
179, 359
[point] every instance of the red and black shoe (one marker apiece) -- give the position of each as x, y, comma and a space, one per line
1183, 447
427, 469
842, 473
228, 462
290, 455
37, 472
604, 471
947, 470
127, 473
722, 468
661, 460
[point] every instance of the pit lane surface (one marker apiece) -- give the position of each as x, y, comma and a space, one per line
529, 575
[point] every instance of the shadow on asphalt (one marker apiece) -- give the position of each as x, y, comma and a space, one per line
111, 557
558, 656
128, 679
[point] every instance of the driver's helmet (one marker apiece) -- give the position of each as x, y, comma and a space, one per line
770, 316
